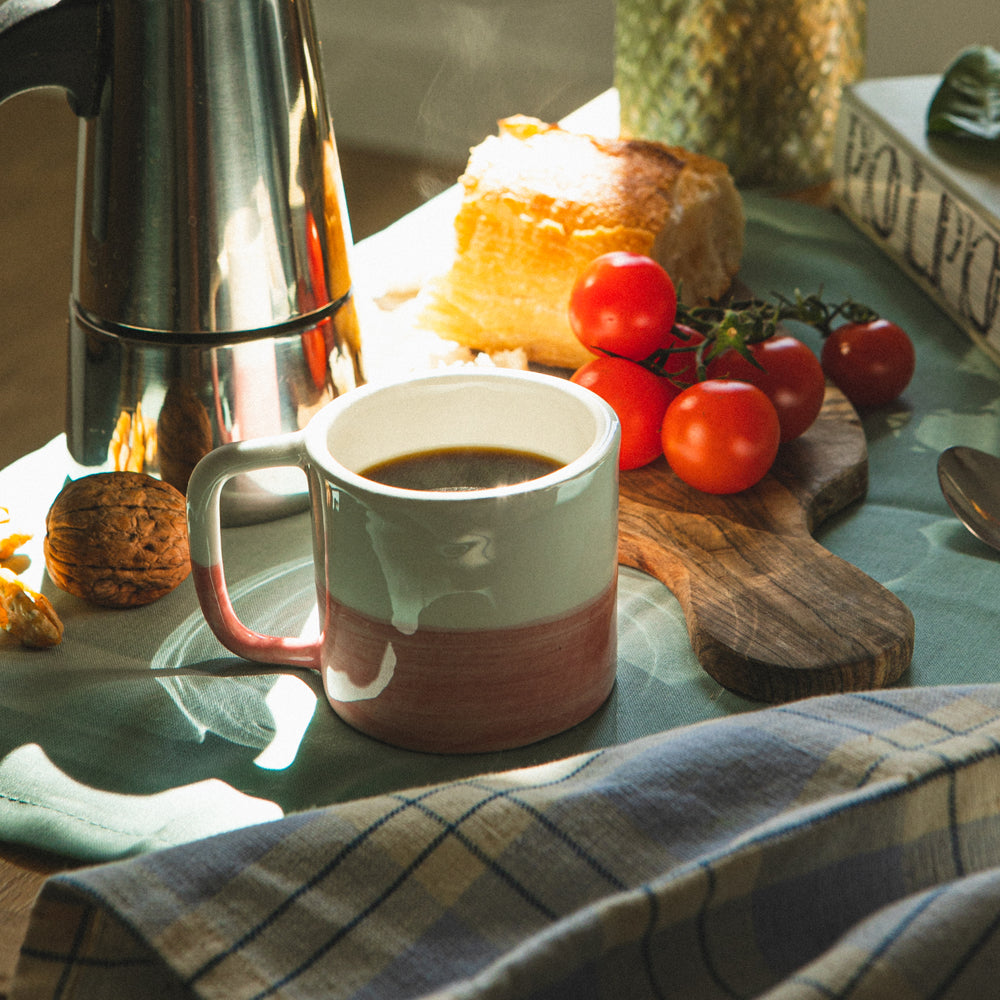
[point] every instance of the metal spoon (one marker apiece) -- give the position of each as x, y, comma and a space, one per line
970, 482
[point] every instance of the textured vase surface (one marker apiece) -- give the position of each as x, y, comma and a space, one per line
754, 83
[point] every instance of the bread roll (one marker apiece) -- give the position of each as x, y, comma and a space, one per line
539, 202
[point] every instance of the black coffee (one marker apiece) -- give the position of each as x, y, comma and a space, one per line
455, 469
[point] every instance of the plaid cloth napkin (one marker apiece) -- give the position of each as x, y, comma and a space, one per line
845, 846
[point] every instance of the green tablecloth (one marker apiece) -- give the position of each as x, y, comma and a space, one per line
141, 731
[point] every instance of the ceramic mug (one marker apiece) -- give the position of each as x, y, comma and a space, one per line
451, 621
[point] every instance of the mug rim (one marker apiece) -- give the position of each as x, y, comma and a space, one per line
606, 433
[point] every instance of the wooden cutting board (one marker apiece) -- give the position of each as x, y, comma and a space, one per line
772, 615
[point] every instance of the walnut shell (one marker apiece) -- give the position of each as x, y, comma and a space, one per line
117, 539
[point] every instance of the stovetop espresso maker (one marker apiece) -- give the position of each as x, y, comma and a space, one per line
211, 297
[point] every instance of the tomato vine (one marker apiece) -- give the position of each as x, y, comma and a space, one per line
736, 325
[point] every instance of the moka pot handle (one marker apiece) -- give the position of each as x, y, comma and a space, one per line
55, 43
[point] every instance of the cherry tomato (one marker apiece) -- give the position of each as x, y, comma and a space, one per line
623, 303
721, 436
790, 375
638, 397
871, 363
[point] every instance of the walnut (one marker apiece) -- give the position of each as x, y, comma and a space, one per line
27, 615
117, 539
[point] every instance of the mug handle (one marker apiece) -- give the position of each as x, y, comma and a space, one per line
204, 493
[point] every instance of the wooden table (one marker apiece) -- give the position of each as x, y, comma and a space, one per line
22, 872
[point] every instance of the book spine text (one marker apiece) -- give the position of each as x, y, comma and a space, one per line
934, 234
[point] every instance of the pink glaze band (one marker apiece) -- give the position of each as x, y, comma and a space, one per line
205, 539
475, 691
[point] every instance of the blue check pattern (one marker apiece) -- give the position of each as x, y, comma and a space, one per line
846, 846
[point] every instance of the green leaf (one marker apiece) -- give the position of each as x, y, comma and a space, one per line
967, 102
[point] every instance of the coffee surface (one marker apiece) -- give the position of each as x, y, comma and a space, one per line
459, 469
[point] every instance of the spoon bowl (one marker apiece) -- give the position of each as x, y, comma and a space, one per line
970, 482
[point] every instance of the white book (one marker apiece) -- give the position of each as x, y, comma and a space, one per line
931, 203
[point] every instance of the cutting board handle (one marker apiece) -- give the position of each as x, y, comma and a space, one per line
771, 613
772, 617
